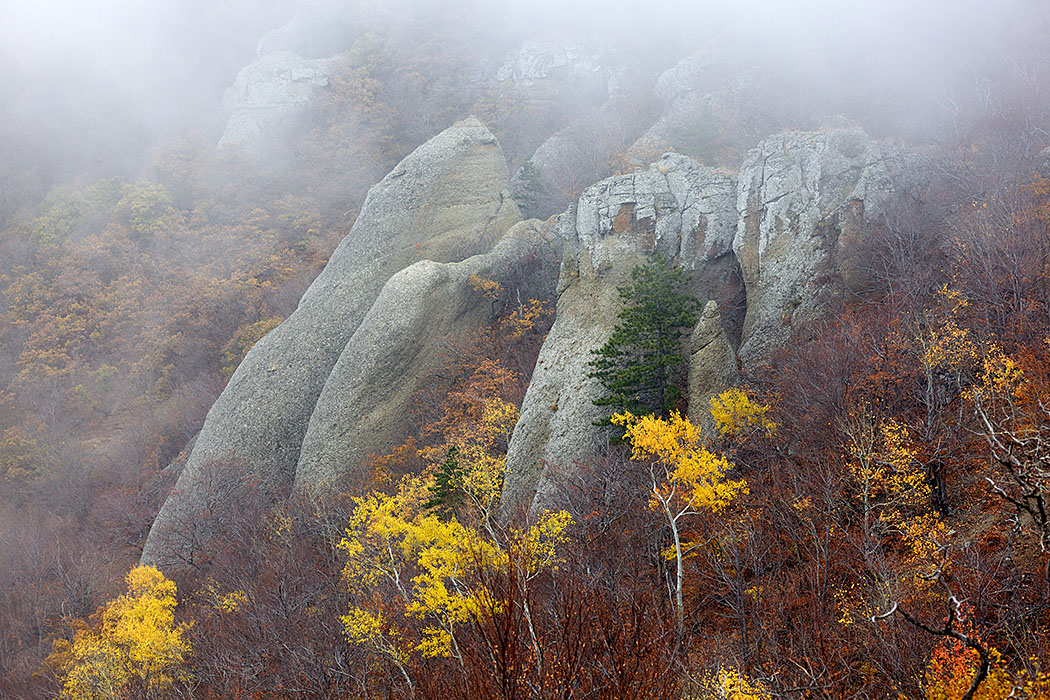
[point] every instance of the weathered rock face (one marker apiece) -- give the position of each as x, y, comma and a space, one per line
702, 97
678, 208
785, 226
552, 57
394, 352
267, 92
584, 150
712, 365
801, 195
446, 201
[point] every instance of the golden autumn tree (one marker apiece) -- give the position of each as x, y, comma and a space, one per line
1012, 404
731, 684
736, 414
135, 643
471, 474
892, 485
686, 479
413, 575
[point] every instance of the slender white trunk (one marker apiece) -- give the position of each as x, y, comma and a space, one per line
679, 604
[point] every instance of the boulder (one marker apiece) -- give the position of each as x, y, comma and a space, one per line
446, 201
676, 207
397, 349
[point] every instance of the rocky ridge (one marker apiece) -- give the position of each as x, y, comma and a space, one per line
446, 201
398, 348
333, 383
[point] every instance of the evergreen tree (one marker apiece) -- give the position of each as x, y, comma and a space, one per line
528, 187
642, 360
446, 492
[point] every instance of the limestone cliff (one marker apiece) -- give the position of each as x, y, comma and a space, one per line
802, 196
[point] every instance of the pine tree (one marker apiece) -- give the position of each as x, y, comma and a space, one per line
446, 492
642, 360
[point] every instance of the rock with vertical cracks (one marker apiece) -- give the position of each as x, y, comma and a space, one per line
802, 194
676, 207
712, 365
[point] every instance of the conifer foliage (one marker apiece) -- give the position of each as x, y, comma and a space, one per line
446, 491
640, 363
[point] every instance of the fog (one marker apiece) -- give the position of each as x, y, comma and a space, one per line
93, 84
139, 261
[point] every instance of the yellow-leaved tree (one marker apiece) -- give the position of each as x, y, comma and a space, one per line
134, 644
686, 479
469, 480
407, 564
736, 415
895, 495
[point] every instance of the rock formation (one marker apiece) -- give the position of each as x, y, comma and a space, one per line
267, 93
397, 349
553, 57
333, 383
676, 207
712, 365
800, 195
446, 201
784, 225
612, 109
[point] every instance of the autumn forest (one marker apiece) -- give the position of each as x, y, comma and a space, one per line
862, 512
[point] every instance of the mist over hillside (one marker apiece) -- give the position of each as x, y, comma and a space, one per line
97, 83
304, 306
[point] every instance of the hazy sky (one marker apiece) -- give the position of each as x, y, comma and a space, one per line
159, 65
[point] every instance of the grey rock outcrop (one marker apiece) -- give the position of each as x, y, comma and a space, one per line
444, 202
550, 57
677, 207
267, 92
801, 196
712, 365
786, 228
703, 97
586, 149
397, 349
